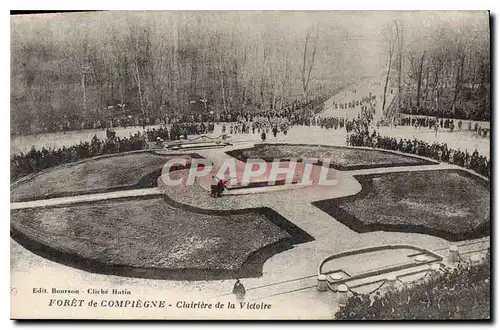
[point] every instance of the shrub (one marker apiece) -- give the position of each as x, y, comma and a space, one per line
461, 293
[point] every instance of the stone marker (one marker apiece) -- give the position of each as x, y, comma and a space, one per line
453, 255
342, 293
322, 285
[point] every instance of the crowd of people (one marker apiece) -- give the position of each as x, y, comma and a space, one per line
38, 159
115, 121
35, 160
463, 112
119, 115
298, 112
184, 129
443, 123
366, 102
438, 151
265, 122
330, 122
258, 124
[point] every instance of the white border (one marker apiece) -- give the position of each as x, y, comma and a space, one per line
201, 5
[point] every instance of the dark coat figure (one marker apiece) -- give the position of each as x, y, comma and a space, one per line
239, 290
220, 188
110, 134
263, 136
214, 187
275, 131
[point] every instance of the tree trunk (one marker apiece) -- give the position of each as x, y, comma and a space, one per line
387, 80
458, 81
304, 88
84, 94
139, 88
426, 89
419, 82
221, 73
305, 80
120, 84
262, 82
400, 64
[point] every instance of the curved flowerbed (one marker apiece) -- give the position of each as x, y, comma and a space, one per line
452, 204
148, 237
341, 158
131, 170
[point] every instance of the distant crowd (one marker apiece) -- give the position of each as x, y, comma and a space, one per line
438, 151
365, 102
458, 113
306, 113
39, 159
297, 111
443, 123
263, 122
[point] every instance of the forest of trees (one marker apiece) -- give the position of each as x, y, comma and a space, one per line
69, 67
445, 72
66, 69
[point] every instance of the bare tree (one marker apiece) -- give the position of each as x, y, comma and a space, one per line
221, 73
137, 75
400, 31
79, 59
306, 78
265, 54
416, 72
459, 63
439, 57
391, 43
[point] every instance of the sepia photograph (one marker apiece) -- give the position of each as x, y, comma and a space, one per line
250, 165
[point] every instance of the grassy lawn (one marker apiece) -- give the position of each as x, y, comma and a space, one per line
127, 171
149, 233
340, 157
448, 203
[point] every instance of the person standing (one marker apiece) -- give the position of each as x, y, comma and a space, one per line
214, 187
239, 290
220, 187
